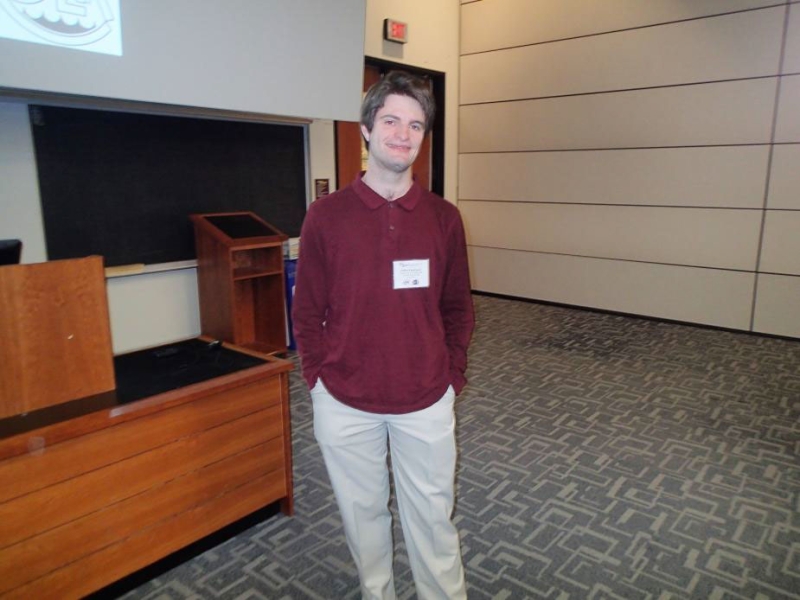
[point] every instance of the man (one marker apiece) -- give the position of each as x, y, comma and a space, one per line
383, 316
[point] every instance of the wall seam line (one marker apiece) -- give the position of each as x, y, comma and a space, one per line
775, 109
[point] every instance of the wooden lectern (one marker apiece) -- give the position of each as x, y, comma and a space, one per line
240, 280
108, 464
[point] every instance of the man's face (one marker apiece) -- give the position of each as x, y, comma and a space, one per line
396, 135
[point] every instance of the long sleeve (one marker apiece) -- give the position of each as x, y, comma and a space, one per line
458, 315
378, 348
310, 299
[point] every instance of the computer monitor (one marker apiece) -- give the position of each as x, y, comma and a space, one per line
10, 252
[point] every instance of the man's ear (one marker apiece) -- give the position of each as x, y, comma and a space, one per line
365, 133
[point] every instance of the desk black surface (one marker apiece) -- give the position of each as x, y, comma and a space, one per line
139, 375
158, 370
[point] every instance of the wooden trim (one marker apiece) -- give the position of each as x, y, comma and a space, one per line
64, 430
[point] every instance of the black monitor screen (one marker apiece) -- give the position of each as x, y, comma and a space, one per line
10, 252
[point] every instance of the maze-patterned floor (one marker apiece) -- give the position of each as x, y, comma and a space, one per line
601, 457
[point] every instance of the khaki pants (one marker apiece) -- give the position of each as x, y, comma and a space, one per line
423, 450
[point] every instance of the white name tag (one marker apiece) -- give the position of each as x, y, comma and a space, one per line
411, 274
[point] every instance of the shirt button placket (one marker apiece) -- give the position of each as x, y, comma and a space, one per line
392, 225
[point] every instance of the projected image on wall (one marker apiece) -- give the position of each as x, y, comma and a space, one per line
90, 25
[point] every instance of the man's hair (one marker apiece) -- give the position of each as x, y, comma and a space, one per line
402, 84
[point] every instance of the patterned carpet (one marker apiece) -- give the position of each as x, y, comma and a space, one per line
601, 456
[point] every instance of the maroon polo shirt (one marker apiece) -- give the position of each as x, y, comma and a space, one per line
377, 348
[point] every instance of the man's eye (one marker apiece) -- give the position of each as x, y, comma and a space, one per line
416, 127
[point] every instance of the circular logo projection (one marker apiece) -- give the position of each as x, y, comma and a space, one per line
62, 22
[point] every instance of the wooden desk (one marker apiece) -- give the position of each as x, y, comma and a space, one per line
97, 488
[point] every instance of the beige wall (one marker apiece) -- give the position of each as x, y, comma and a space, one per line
635, 156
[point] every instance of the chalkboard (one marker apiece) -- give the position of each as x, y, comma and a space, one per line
123, 185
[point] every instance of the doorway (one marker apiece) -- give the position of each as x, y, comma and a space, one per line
428, 169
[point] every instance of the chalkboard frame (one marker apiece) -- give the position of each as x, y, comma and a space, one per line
123, 184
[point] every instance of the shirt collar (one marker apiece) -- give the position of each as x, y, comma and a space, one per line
373, 200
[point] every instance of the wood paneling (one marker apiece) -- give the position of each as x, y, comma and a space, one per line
731, 177
151, 543
61, 503
711, 296
784, 179
348, 152
778, 305
724, 239
214, 288
56, 342
63, 461
492, 24
727, 47
736, 112
95, 531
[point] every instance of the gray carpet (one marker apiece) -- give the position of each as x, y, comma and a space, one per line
601, 456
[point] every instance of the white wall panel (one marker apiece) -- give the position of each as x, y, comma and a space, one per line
727, 47
780, 251
709, 296
736, 112
491, 24
778, 305
20, 210
791, 58
784, 179
788, 128
152, 309
726, 239
322, 153
725, 176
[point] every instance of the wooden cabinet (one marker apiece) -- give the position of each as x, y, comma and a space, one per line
240, 280
185, 439
86, 500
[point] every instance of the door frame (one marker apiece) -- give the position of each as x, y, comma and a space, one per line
437, 79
